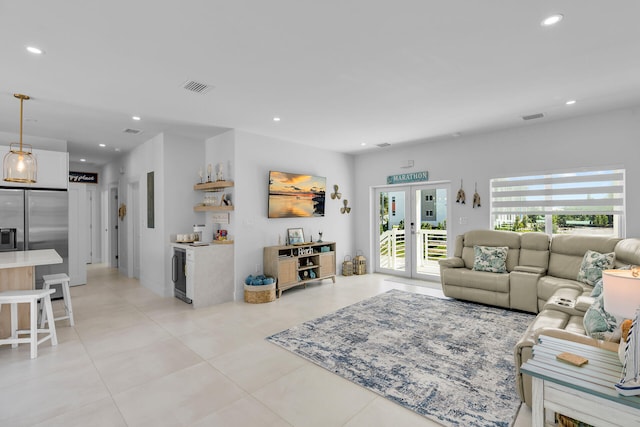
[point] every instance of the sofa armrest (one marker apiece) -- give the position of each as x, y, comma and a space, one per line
452, 262
574, 337
530, 269
584, 302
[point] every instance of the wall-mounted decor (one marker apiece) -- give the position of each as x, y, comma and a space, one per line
83, 177
345, 208
335, 194
460, 196
295, 235
476, 198
150, 201
408, 177
296, 195
122, 211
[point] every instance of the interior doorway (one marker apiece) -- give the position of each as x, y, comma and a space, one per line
410, 233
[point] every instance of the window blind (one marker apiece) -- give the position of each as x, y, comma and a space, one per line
599, 192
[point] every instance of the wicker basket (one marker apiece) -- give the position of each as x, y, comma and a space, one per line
259, 294
347, 266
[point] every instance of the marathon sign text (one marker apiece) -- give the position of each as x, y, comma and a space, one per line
408, 177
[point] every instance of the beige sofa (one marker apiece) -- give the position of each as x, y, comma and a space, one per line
540, 278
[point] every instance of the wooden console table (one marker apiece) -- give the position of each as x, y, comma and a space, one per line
300, 264
584, 393
17, 273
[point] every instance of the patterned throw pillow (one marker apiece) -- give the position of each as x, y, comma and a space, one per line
592, 265
491, 259
598, 323
597, 288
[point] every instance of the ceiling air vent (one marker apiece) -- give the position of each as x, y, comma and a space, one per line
132, 131
196, 87
383, 144
533, 116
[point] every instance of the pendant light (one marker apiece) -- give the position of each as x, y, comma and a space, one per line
20, 165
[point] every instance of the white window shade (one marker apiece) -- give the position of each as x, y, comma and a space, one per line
574, 193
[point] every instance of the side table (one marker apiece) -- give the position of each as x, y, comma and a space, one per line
585, 393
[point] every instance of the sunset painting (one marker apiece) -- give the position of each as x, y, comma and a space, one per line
296, 195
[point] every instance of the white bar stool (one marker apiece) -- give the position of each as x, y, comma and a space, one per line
63, 280
32, 297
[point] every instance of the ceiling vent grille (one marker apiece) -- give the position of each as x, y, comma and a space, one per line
383, 145
132, 131
533, 116
197, 87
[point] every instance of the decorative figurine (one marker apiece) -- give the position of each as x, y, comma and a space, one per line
319, 236
220, 173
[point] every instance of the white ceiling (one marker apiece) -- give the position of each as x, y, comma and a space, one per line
338, 73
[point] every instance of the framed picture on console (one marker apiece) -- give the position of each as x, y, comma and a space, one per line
295, 235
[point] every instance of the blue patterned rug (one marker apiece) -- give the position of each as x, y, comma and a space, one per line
448, 360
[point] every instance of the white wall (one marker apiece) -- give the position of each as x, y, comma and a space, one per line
255, 156
182, 160
603, 140
38, 142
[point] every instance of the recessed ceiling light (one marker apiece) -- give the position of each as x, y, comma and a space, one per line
117, 149
35, 50
102, 145
83, 160
552, 20
136, 118
570, 102
276, 119
363, 143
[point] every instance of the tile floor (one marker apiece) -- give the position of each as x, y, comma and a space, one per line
136, 359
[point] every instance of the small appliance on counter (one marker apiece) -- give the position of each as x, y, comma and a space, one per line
198, 229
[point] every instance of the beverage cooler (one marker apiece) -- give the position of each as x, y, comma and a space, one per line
179, 274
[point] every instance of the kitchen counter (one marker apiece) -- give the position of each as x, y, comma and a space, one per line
28, 259
209, 273
17, 273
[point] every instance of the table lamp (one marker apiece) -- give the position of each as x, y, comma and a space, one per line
621, 293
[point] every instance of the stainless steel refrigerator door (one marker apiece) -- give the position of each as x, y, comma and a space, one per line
12, 213
47, 222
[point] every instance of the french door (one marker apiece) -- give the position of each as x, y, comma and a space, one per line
410, 233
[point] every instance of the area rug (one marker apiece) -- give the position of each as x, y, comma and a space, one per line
448, 360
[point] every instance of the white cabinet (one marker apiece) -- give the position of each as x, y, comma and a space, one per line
53, 169
209, 271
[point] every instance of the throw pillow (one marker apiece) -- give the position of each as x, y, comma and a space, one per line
592, 265
598, 323
597, 288
491, 259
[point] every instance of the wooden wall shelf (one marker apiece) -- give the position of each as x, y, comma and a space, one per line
202, 208
213, 186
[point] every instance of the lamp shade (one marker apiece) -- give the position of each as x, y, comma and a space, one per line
19, 165
621, 292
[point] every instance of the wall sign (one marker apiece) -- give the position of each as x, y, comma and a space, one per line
83, 177
408, 177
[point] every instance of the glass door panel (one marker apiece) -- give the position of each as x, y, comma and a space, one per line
393, 253
430, 229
